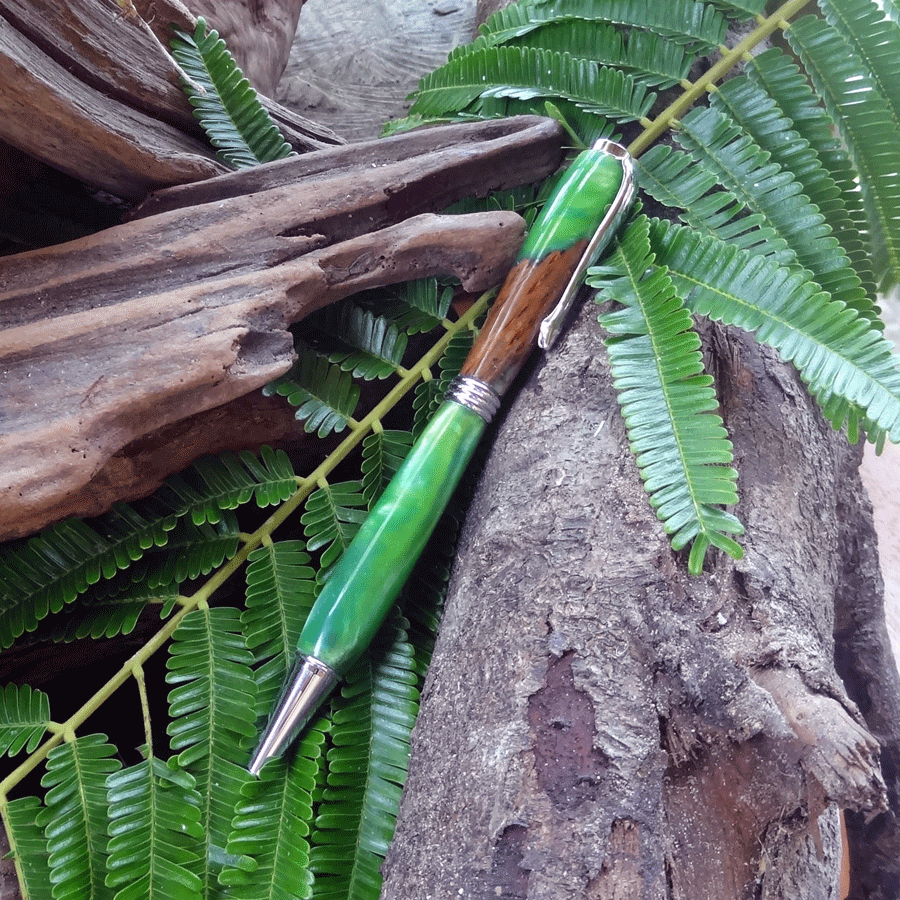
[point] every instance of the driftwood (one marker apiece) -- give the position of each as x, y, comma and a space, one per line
597, 724
113, 337
88, 87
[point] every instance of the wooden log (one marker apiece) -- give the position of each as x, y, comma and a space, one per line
112, 337
111, 109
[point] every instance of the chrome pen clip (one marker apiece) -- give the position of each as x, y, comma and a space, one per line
552, 324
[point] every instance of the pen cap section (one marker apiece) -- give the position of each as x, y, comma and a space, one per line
575, 210
368, 577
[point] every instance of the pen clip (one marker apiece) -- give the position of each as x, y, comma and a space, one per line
553, 322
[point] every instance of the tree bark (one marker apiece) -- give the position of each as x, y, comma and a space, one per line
597, 724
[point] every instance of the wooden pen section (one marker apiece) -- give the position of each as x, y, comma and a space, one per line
509, 335
564, 233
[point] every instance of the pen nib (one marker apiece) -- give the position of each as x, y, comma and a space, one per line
308, 684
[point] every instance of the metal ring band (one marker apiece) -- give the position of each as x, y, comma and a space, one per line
476, 395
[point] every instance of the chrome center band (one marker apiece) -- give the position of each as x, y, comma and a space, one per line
476, 395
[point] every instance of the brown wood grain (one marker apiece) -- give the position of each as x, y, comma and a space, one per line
530, 292
110, 338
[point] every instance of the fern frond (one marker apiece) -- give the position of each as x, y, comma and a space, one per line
863, 118
777, 75
697, 26
383, 452
270, 826
430, 394
366, 771
756, 112
24, 718
281, 590
325, 396
834, 350
228, 108
74, 815
419, 306
377, 345
331, 519
651, 58
526, 73
744, 9
718, 141
213, 721
155, 832
29, 847
679, 441
104, 619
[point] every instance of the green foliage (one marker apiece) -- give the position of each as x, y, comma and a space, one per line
225, 104
366, 770
783, 179
668, 403
24, 718
325, 396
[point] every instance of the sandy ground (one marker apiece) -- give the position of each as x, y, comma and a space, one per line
353, 64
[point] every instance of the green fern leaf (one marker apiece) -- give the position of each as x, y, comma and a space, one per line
419, 306
155, 832
377, 345
325, 396
526, 73
383, 452
280, 593
863, 118
651, 58
745, 9
758, 114
836, 352
331, 519
270, 826
24, 718
366, 770
430, 394
74, 818
213, 722
772, 192
55, 567
668, 404
104, 619
227, 108
29, 845
696, 25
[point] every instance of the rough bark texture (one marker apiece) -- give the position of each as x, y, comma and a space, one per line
89, 88
596, 724
107, 339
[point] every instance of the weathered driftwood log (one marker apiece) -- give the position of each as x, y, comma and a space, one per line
88, 87
597, 724
112, 337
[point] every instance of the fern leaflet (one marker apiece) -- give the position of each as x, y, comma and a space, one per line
24, 718
74, 815
331, 519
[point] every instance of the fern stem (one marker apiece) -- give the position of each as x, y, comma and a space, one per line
141, 681
730, 58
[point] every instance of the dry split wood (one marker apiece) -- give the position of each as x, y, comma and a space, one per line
113, 337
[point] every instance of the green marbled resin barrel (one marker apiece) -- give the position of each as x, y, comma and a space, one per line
368, 577
574, 212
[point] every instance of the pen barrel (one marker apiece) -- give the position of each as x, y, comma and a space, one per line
550, 257
371, 572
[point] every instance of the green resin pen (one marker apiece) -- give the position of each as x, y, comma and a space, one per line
576, 223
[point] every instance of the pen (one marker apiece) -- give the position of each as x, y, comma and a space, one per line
577, 221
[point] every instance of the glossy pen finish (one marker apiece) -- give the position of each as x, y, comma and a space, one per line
591, 197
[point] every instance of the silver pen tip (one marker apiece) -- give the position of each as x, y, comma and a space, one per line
308, 684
